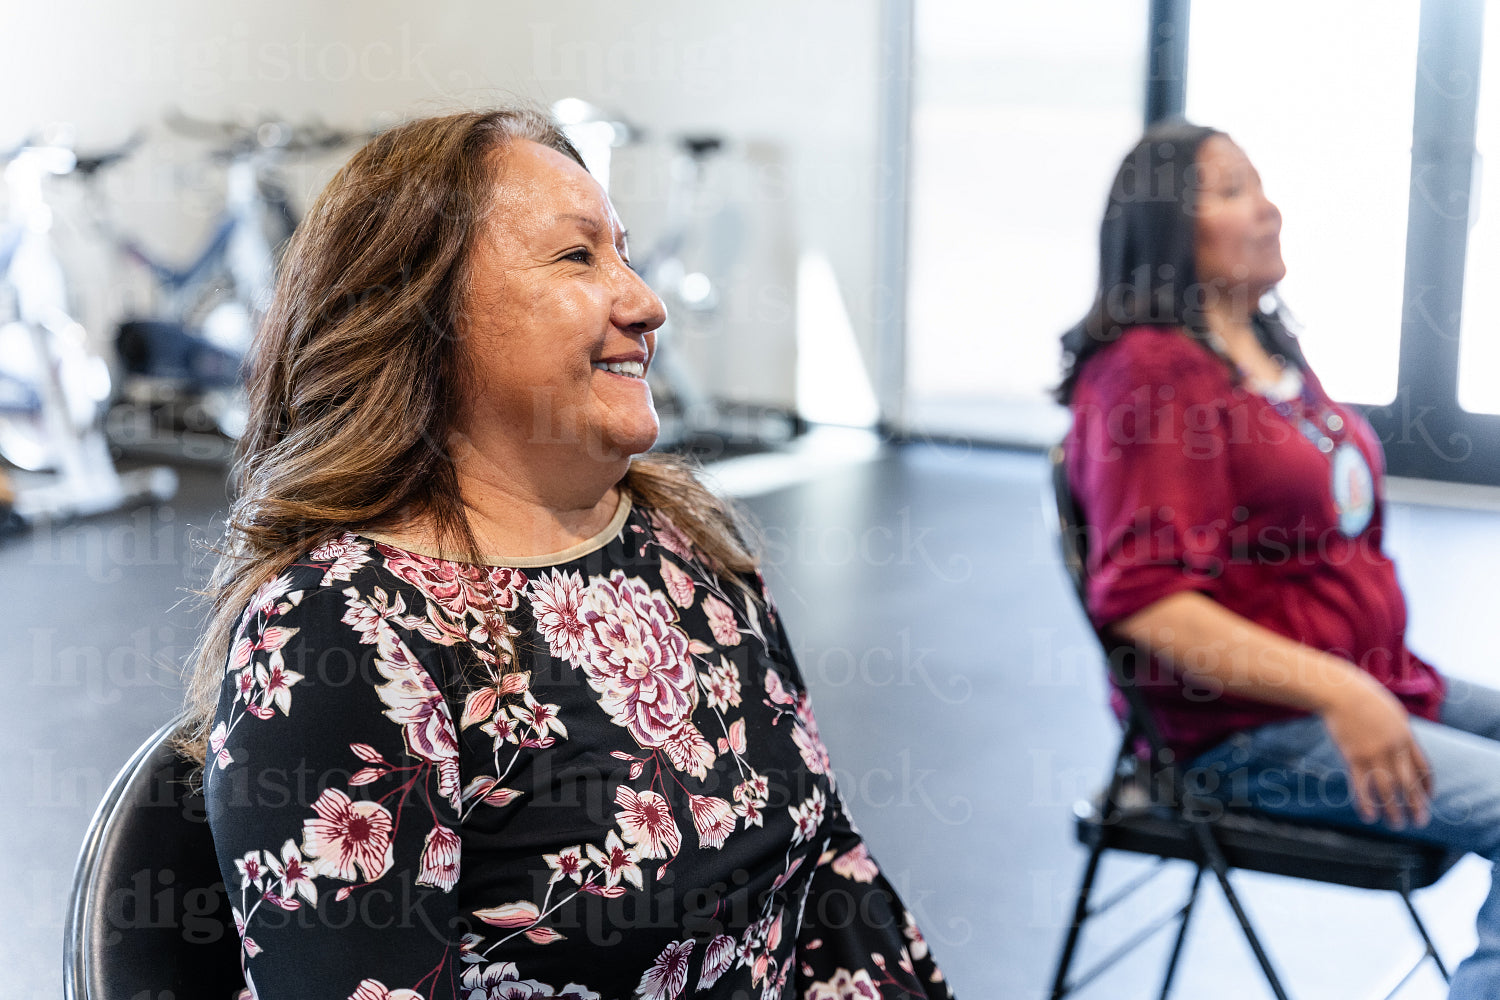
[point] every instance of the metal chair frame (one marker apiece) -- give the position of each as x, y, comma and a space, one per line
1147, 808
151, 819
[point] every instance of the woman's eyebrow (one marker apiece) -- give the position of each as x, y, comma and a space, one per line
593, 226
588, 222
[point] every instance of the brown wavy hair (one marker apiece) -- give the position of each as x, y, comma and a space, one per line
356, 377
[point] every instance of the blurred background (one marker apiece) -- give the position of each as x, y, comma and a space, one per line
870, 220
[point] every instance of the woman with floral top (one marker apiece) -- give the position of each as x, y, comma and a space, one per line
489, 706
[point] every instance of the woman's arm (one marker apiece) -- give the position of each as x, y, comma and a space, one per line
332, 788
1190, 633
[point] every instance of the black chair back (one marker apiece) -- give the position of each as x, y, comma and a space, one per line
149, 915
1072, 531
1123, 658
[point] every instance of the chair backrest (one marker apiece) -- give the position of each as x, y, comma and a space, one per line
1122, 657
149, 915
1072, 532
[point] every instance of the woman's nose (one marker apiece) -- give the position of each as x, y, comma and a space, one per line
637, 308
1269, 210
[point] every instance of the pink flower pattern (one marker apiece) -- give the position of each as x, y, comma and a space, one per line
346, 554
637, 659
679, 585
557, 603
671, 538
293, 874
661, 649
717, 959
805, 735
844, 985
465, 602
645, 819
616, 861
856, 865
808, 816
722, 621
348, 840
668, 974
414, 701
713, 818
440, 859
501, 981
721, 685
374, 989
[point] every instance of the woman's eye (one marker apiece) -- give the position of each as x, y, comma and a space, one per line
581, 255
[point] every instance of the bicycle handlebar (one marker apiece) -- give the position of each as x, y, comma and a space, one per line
242, 138
11, 154
90, 165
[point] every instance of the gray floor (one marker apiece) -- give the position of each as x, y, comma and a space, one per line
954, 680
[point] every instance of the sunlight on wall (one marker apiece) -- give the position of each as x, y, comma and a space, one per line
833, 386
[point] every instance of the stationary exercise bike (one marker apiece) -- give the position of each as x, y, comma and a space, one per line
52, 388
182, 359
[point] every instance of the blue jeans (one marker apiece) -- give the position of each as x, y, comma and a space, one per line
1293, 769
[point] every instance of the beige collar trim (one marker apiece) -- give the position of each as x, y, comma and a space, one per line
583, 548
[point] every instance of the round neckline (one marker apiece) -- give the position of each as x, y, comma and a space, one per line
1288, 388
593, 543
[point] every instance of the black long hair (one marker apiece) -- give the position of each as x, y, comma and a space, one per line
1146, 244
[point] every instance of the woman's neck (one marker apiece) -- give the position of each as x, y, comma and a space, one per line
1235, 331
511, 523
513, 514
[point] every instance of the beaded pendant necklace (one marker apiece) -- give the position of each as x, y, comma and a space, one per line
1350, 483
1290, 398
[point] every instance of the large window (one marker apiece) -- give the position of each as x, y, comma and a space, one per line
1362, 120
1320, 96
1020, 114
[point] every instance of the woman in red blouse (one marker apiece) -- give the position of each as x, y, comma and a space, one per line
1236, 520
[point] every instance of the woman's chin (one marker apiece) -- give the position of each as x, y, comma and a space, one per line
622, 443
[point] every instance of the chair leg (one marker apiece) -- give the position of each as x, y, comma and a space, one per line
1080, 914
1187, 912
1426, 939
1216, 861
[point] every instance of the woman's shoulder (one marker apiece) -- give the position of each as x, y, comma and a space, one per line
1149, 355
319, 588
353, 593
333, 565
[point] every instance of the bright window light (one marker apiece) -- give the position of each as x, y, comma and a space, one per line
1020, 116
1320, 96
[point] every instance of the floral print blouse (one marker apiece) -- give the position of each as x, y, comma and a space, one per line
621, 793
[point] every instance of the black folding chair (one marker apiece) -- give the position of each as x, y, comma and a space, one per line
149, 916
1147, 808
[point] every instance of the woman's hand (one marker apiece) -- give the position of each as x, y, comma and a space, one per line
1201, 638
1388, 773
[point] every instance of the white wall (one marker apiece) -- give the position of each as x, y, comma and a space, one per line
795, 78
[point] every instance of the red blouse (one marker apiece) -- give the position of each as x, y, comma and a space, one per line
1191, 482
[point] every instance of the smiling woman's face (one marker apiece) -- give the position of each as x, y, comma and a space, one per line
558, 330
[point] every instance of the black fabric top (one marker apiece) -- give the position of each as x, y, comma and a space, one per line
624, 796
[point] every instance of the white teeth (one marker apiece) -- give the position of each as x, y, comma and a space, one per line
632, 368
